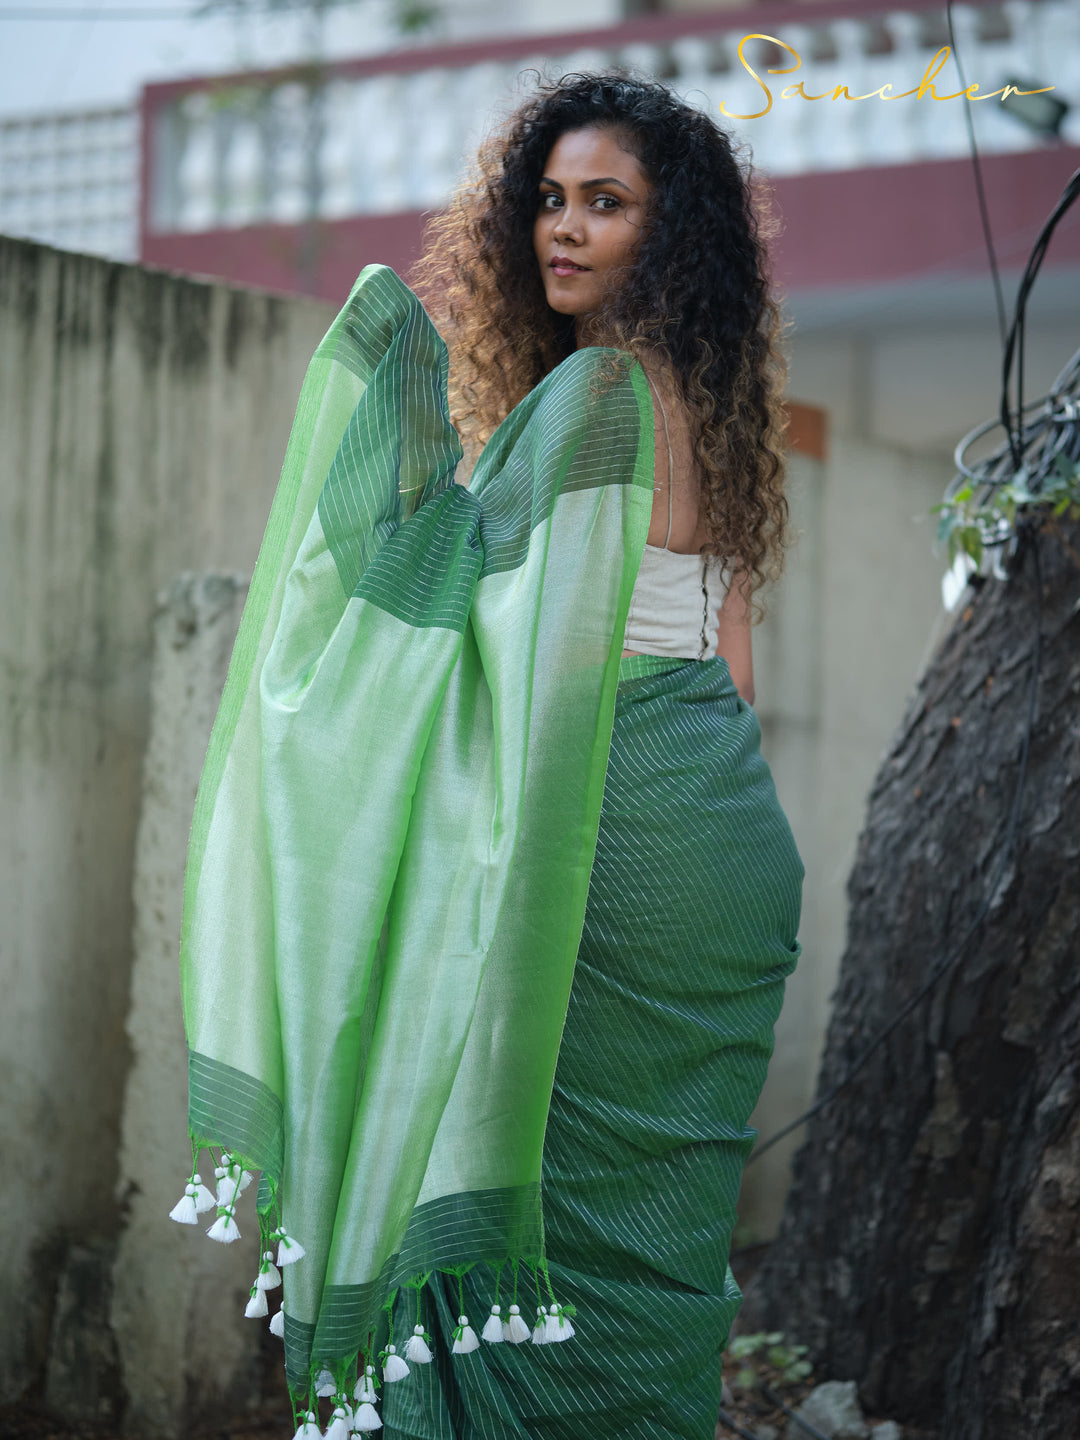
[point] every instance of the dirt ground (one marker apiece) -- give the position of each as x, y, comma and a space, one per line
272, 1420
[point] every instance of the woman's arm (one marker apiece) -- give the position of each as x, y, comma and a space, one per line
734, 637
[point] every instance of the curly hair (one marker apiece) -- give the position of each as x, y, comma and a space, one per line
697, 297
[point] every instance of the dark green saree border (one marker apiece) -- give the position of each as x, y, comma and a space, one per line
235, 1111
450, 1234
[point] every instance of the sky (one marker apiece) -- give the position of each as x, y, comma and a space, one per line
88, 59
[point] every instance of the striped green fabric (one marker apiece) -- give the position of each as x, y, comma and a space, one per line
395, 827
689, 933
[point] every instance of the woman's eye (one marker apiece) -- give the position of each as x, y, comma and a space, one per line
607, 202
549, 200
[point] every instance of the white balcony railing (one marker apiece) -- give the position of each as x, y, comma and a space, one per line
72, 180
376, 139
376, 143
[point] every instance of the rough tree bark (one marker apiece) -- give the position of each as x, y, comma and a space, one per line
929, 1247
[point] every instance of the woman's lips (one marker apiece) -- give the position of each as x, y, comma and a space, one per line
563, 268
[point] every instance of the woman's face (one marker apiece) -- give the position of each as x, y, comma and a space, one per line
591, 207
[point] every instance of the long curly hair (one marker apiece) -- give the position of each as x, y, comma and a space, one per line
697, 298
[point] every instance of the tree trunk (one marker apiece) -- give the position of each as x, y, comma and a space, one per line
929, 1247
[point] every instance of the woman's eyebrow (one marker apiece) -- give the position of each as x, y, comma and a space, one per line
589, 184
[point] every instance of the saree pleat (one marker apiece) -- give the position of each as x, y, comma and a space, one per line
689, 934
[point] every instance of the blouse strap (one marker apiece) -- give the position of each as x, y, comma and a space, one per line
670, 476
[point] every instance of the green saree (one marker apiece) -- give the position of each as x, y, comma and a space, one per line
397, 831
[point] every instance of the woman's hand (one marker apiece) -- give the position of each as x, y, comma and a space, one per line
734, 637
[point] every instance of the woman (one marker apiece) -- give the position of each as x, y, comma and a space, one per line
481, 795
643, 236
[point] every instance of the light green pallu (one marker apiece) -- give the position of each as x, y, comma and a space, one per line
397, 819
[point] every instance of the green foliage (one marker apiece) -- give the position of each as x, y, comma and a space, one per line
786, 1362
977, 516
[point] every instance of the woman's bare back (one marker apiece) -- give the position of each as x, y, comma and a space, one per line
671, 424
671, 427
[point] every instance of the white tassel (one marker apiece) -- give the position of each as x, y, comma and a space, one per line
204, 1196
227, 1176
269, 1276
557, 1326
308, 1428
186, 1210
224, 1227
257, 1306
416, 1349
325, 1385
367, 1418
493, 1329
394, 1367
227, 1192
365, 1387
289, 1250
466, 1340
277, 1323
338, 1429
515, 1330
233, 1184
538, 1336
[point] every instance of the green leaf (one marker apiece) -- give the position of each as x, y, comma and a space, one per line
1018, 489
971, 540
946, 525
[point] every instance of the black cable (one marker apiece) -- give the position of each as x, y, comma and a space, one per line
977, 168
1015, 341
735, 1428
803, 1425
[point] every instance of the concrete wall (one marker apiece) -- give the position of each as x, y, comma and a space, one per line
177, 1306
859, 612
848, 631
143, 419
922, 385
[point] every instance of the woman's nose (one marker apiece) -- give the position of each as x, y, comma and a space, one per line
568, 227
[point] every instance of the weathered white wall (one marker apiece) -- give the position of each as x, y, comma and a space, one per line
178, 1299
848, 631
923, 386
857, 617
143, 419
